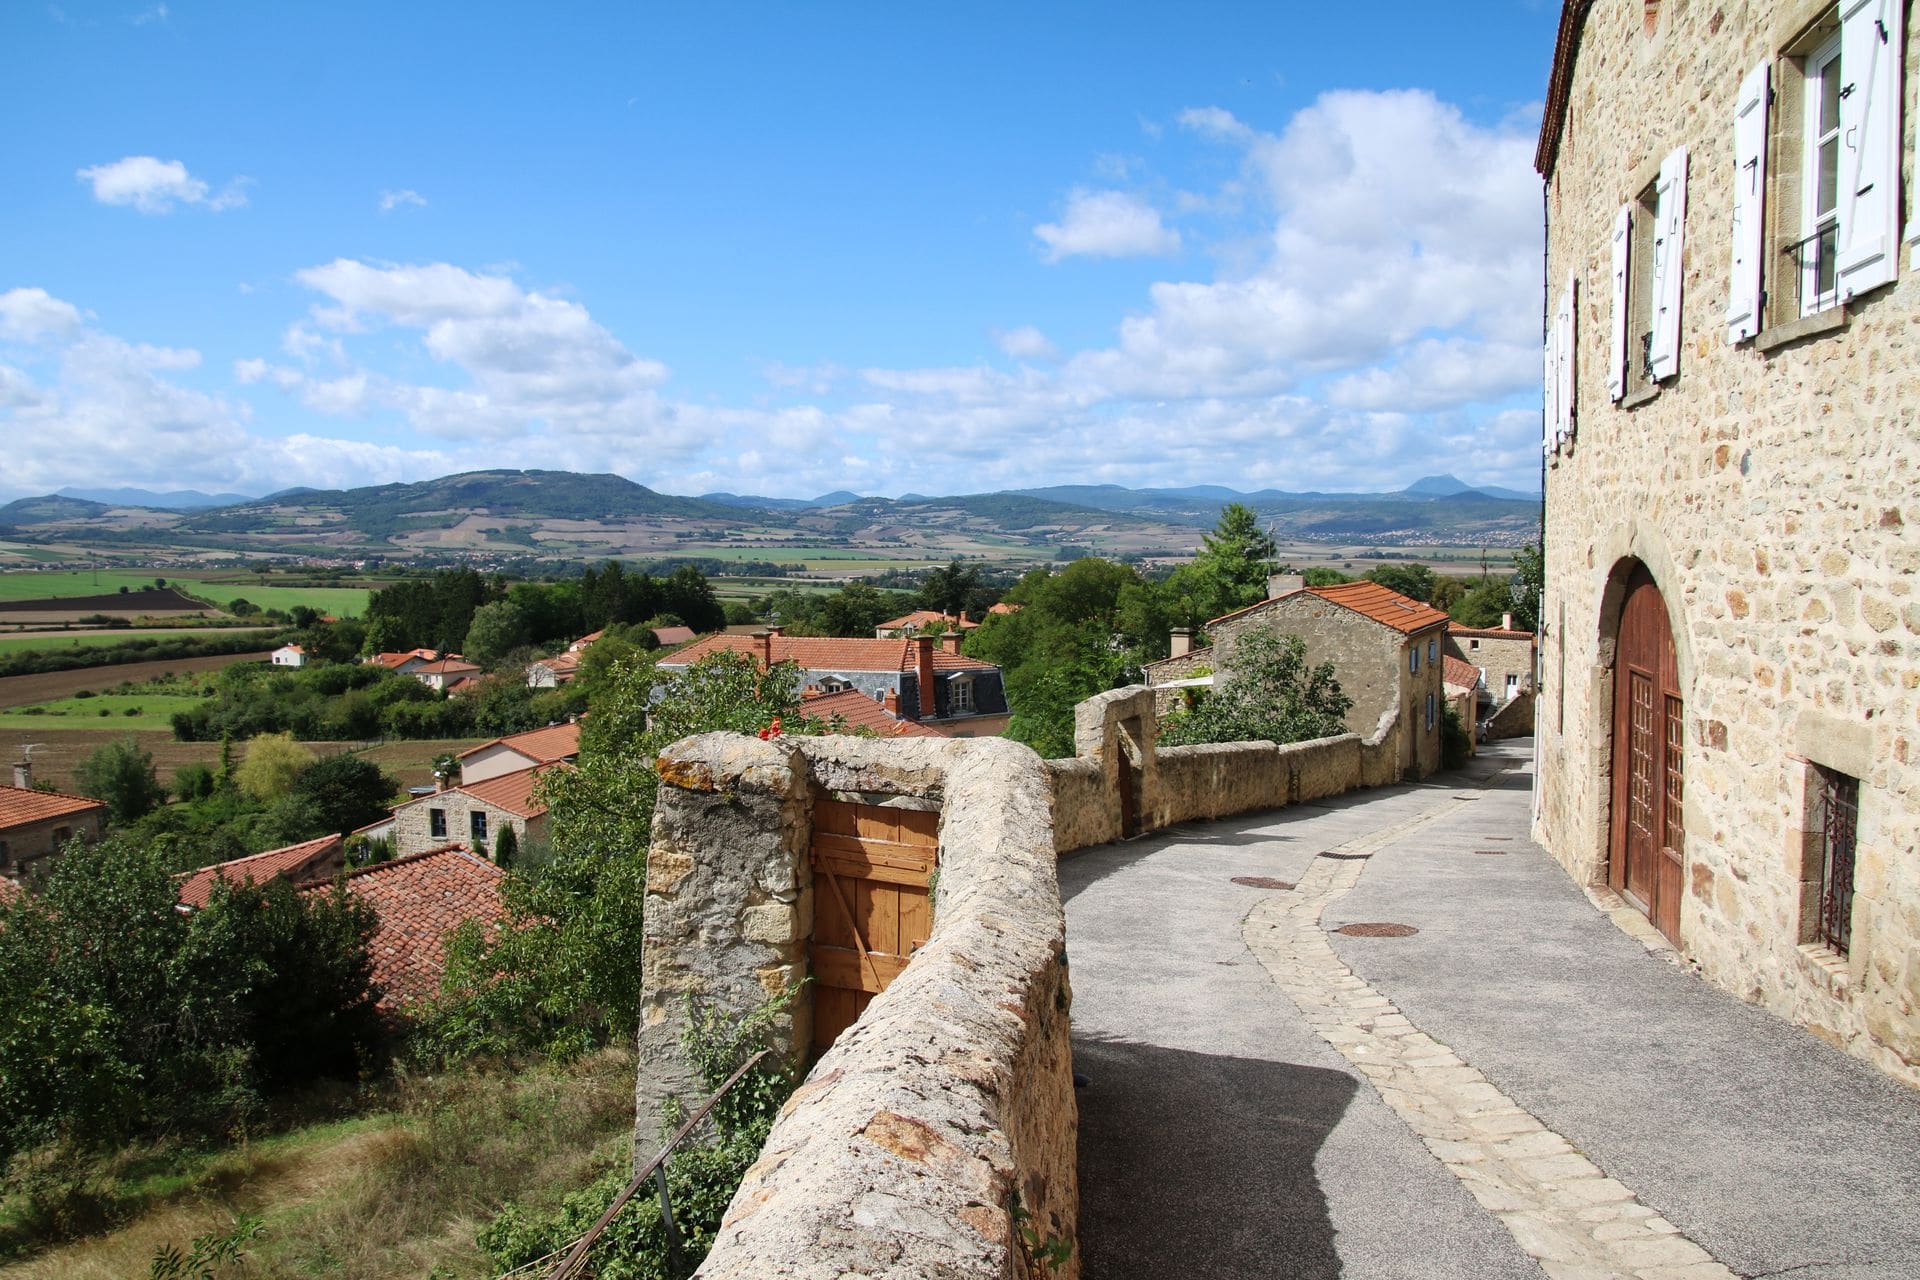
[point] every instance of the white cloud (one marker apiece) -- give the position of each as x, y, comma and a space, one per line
1026, 343
152, 185
391, 200
248, 372
1107, 224
34, 315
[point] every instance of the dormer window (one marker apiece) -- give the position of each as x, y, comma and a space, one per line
960, 694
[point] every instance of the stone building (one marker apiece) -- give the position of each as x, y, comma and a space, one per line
1385, 650
1503, 656
1729, 704
472, 814
517, 751
35, 824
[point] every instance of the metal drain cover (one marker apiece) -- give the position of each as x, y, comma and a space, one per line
1346, 857
1495, 852
1263, 882
1377, 929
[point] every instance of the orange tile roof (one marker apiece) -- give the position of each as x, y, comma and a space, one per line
1458, 671
510, 792
921, 617
445, 667
1489, 633
1004, 607
559, 662
401, 659
417, 901
586, 641
553, 742
22, 806
667, 637
829, 653
1368, 599
196, 888
862, 712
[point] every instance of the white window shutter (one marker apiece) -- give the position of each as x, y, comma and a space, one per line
1870, 92
1550, 386
1565, 349
1669, 262
1617, 353
1749, 182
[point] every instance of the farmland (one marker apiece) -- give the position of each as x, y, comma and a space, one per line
21, 691
57, 752
144, 710
221, 588
21, 641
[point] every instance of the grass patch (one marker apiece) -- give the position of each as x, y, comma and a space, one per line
107, 639
399, 1192
122, 711
221, 589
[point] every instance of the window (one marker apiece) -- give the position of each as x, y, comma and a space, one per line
6, 852
960, 694
1413, 660
1433, 652
477, 824
437, 823
62, 834
1513, 687
1429, 713
1834, 815
1474, 645
1820, 179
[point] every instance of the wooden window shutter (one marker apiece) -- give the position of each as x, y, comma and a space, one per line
1749, 186
1617, 353
1669, 262
1550, 386
1564, 351
1870, 45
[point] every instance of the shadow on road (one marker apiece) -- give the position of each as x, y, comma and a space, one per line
1197, 1165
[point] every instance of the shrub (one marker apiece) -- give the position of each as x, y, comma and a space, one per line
121, 774
1455, 745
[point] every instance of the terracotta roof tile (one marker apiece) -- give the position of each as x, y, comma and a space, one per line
1458, 671
554, 742
445, 667
921, 617
861, 712
417, 901
1368, 599
20, 806
830, 654
667, 637
196, 888
511, 792
1489, 633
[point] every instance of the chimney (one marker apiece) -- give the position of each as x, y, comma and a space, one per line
440, 781
892, 703
23, 775
950, 641
1181, 642
963, 617
1506, 622
778, 630
763, 642
923, 646
1280, 584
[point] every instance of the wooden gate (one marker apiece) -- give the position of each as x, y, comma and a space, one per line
1648, 833
871, 909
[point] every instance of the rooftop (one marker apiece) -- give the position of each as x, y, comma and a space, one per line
829, 653
417, 900
1368, 599
860, 711
20, 806
553, 742
196, 888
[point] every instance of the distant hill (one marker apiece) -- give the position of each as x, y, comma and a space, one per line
172, 500
50, 508
1446, 486
835, 499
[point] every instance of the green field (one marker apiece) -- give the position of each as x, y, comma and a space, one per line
109, 639
223, 588
106, 711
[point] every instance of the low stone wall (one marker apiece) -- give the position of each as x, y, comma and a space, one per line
940, 1129
1187, 784
1513, 720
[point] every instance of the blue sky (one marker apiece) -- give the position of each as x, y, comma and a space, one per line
771, 249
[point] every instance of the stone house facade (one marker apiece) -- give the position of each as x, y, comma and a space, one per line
1503, 656
1385, 649
472, 815
1729, 701
35, 824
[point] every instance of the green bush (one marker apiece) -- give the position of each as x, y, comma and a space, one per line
1455, 746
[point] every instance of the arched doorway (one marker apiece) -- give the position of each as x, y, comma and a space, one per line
1648, 835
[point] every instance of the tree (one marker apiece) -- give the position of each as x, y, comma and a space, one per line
121, 774
1267, 694
272, 762
1230, 571
239, 606
1415, 581
497, 630
340, 793
506, 845
947, 590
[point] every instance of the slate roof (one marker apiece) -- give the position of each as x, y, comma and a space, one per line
23, 806
196, 889
862, 712
554, 742
1368, 599
829, 653
417, 901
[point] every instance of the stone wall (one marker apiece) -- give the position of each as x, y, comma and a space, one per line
1769, 488
1511, 720
949, 1104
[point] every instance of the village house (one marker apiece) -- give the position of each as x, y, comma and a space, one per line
1729, 704
289, 655
473, 814
518, 751
304, 863
417, 900
856, 712
406, 663
930, 681
1504, 658
912, 624
1384, 647
1462, 686
35, 824
551, 673
446, 675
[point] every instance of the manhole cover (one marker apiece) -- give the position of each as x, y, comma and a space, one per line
1263, 882
1491, 851
1347, 857
1377, 929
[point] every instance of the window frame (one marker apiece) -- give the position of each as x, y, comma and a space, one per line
437, 823
477, 826
1819, 68
1827, 907
960, 694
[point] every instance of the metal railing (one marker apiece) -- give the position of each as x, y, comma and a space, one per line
1839, 825
655, 1170
1813, 262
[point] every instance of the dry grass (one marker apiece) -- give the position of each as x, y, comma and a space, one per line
398, 1194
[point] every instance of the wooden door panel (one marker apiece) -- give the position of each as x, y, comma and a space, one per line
1648, 847
871, 866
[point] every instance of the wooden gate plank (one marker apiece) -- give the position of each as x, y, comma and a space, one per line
872, 866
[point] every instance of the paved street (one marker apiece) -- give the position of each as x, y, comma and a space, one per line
1518, 1089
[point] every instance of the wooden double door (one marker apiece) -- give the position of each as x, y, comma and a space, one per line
872, 867
1648, 852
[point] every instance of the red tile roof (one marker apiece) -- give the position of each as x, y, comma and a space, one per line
667, 637
511, 792
20, 806
1368, 599
585, 642
1004, 607
391, 660
417, 901
554, 742
1458, 671
445, 667
560, 663
830, 654
1488, 633
921, 617
196, 888
861, 712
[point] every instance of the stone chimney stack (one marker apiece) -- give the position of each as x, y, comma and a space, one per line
963, 617
892, 703
950, 641
763, 648
440, 781
1180, 642
1280, 584
923, 665
23, 775
1506, 622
